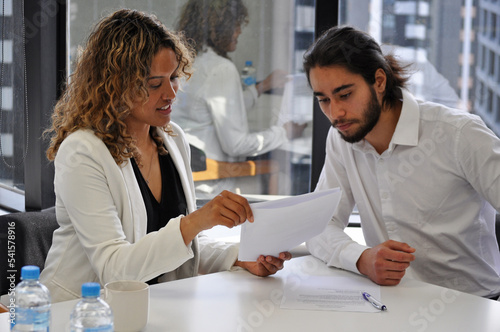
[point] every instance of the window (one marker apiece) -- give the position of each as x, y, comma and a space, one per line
442, 38
29, 186
459, 39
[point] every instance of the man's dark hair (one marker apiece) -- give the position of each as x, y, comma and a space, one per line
359, 53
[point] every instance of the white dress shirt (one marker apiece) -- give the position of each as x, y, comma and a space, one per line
436, 188
212, 111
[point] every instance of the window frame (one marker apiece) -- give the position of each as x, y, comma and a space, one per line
327, 16
45, 22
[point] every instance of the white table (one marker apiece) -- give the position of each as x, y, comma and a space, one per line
239, 301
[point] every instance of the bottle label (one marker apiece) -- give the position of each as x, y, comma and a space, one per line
249, 80
107, 328
38, 320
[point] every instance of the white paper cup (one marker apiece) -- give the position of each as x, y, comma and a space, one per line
129, 301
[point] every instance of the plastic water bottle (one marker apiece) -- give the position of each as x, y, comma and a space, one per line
91, 313
248, 74
32, 300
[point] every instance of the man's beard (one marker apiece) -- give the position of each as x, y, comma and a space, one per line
371, 116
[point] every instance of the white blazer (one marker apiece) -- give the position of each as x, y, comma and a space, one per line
102, 234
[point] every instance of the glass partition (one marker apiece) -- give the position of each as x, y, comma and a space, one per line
13, 101
258, 159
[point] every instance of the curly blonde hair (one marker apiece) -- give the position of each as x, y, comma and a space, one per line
109, 76
212, 23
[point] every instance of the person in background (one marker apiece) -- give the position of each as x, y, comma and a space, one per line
424, 81
124, 191
425, 177
213, 105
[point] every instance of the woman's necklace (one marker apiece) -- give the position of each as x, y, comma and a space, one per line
150, 165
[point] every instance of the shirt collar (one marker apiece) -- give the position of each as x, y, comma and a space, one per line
406, 132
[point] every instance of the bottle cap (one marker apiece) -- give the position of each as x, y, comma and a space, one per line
91, 289
30, 272
248, 63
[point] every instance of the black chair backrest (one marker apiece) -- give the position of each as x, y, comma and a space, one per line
198, 159
497, 228
25, 239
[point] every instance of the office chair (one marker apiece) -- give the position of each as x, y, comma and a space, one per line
497, 230
25, 239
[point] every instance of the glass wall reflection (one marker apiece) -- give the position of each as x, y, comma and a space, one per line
453, 46
253, 140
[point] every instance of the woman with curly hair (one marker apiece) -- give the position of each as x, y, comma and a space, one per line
213, 104
124, 191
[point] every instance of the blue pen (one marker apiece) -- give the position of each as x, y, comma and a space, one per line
374, 302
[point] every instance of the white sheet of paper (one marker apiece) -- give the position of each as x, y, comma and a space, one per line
283, 224
330, 293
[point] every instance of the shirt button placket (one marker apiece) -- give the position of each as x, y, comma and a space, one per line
385, 196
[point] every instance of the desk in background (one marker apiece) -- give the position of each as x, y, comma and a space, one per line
294, 156
238, 301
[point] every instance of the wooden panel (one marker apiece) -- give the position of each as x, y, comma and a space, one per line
220, 170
